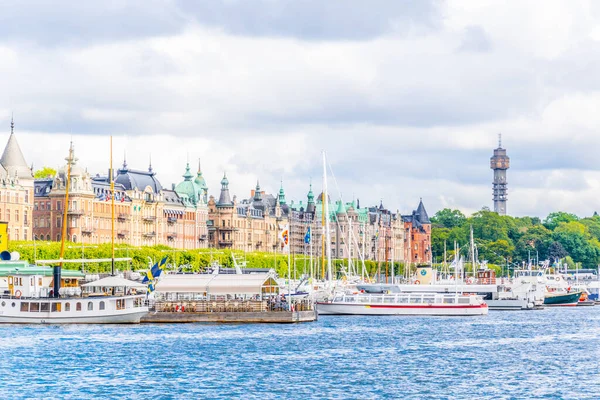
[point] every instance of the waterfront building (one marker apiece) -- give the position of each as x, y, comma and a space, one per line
500, 163
252, 224
417, 240
16, 190
145, 213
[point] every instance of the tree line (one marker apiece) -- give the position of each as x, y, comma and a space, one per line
506, 240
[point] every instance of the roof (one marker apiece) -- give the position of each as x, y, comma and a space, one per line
13, 160
221, 284
132, 179
114, 281
24, 268
224, 198
422, 214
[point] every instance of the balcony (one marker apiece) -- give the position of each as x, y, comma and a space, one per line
171, 220
225, 243
149, 218
73, 211
123, 234
202, 238
149, 234
87, 231
123, 217
171, 235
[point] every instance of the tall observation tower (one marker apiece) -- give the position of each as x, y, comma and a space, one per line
500, 163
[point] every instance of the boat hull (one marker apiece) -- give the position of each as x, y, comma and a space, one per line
512, 304
331, 308
562, 300
122, 318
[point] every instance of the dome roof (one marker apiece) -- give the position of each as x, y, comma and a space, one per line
189, 188
133, 179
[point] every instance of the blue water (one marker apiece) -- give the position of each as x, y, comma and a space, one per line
546, 354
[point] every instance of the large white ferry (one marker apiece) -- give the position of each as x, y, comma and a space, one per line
451, 304
106, 301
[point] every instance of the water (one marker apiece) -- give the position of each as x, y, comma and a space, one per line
547, 354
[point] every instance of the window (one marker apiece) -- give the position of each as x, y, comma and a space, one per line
34, 307
78, 307
25, 215
67, 307
55, 307
90, 306
42, 206
45, 307
8, 215
24, 307
27, 196
58, 205
48, 205
48, 237
101, 305
58, 237
74, 238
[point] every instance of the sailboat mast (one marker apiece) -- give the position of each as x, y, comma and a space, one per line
472, 252
326, 216
66, 205
112, 213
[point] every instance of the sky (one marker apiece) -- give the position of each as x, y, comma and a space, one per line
406, 97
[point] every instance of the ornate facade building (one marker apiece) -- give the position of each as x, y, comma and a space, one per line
418, 236
16, 190
252, 224
145, 213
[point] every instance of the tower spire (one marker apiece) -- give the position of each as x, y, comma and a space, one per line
150, 165
499, 140
12, 123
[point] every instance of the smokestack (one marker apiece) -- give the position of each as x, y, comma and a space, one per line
56, 273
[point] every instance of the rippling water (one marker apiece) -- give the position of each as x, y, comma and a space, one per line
552, 353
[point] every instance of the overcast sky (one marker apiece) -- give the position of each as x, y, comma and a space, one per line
406, 97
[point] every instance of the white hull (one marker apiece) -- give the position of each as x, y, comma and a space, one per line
513, 304
327, 308
81, 310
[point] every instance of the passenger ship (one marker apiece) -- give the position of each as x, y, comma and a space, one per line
29, 302
450, 304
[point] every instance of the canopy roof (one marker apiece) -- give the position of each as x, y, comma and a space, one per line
248, 284
22, 267
114, 281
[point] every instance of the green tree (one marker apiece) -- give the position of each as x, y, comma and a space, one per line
448, 218
45, 172
555, 218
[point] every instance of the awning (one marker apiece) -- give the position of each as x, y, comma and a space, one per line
113, 281
222, 284
173, 212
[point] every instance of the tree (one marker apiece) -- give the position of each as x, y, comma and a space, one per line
556, 251
45, 172
448, 218
555, 218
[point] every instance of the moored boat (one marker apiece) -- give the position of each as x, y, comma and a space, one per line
403, 304
560, 299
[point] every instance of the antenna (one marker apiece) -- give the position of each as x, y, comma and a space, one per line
499, 140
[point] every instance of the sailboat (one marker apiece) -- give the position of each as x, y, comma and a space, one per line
112, 300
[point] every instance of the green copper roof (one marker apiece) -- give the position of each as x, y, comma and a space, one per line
189, 189
310, 195
341, 209
281, 197
200, 179
24, 268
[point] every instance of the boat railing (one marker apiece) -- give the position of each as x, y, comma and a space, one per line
403, 298
210, 306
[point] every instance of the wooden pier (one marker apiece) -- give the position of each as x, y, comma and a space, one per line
229, 312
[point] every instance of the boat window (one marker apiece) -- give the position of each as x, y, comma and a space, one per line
56, 307
78, 307
102, 305
3, 303
463, 301
67, 306
34, 307
90, 306
24, 307
45, 307
13, 304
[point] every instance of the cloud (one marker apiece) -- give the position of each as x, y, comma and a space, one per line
406, 97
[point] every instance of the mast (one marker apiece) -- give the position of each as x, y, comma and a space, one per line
472, 253
350, 266
393, 266
112, 213
57, 269
326, 218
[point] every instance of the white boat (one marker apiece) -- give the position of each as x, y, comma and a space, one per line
451, 304
29, 302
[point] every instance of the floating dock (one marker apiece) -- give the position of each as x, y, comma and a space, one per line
229, 312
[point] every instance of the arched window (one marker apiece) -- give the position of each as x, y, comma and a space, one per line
48, 237
90, 306
101, 305
74, 238
67, 306
78, 307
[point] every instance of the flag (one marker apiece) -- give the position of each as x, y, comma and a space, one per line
145, 280
155, 270
285, 238
150, 288
107, 197
308, 235
150, 273
122, 197
163, 261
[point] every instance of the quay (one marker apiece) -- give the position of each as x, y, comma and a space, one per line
248, 311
